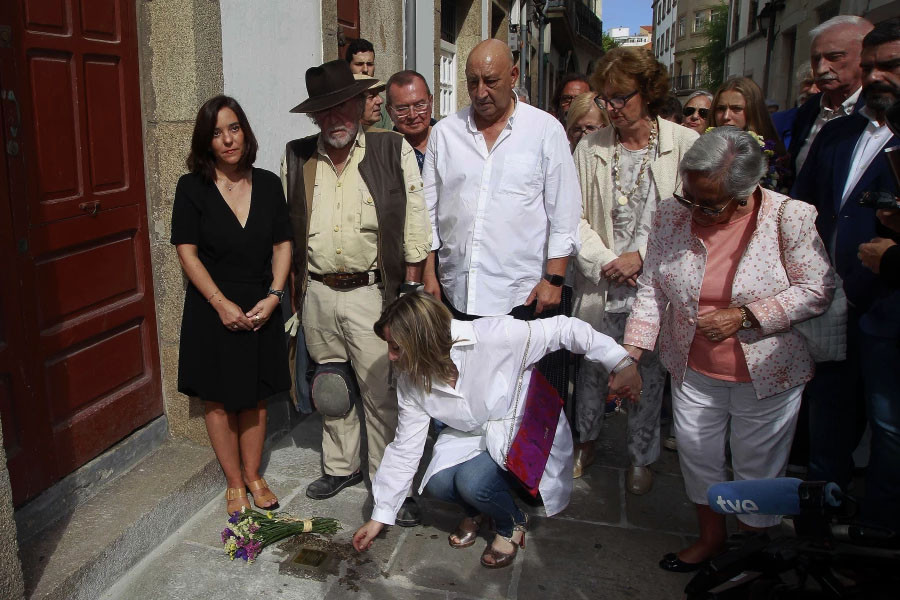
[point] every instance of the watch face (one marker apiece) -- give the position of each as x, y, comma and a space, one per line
746, 324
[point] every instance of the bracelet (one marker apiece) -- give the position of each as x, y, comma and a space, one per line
623, 364
214, 294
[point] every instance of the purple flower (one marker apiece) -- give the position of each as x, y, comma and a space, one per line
226, 533
254, 528
235, 517
241, 553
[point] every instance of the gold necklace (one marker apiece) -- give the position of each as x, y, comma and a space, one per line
624, 196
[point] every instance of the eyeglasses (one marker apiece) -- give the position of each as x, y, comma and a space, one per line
419, 108
617, 102
689, 110
585, 130
710, 212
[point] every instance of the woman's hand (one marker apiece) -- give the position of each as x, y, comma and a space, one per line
720, 324
626, 383
623, 268
231, 315
365, 535
263, 310
634, 351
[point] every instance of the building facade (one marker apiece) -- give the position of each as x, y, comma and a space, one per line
665, 19
786, 44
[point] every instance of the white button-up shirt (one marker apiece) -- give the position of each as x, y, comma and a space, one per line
499, 214
488, 355
825, 114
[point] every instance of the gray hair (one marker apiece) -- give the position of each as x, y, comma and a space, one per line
730, 156
522, 94
699, 93
839, 20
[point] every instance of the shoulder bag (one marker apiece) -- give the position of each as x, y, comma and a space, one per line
826, 334
527, 453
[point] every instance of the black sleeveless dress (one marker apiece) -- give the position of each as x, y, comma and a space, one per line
236, 368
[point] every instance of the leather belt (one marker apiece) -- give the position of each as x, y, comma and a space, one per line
347, 281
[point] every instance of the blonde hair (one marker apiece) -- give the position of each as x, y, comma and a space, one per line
755, 112
420, 326
581, 106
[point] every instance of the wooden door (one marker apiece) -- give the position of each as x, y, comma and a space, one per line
348, 23
80, 354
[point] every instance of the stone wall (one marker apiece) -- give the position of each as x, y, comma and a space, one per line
180, 46
11, 582
382, 24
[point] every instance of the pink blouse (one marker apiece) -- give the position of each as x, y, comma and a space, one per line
725, 243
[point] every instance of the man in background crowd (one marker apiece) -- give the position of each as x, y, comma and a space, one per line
410, 104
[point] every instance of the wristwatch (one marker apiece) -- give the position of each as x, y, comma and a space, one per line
746, 323
623, 364
555, 280
410, 287
279, 293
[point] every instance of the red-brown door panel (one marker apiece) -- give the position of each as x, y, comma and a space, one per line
100, 20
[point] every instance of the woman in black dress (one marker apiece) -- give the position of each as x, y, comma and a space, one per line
231, 230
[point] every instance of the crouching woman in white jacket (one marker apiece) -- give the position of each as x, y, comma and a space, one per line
465, 375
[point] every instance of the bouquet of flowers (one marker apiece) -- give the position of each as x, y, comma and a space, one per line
250, 531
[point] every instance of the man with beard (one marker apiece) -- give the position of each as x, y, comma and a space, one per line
834, 59
361, 235
847, 160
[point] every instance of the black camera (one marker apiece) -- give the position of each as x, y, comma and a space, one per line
878, 200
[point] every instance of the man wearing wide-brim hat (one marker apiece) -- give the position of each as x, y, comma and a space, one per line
361, 236
372, 110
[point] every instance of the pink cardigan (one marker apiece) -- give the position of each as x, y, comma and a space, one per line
669, 292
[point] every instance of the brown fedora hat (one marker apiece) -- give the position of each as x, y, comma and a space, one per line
329, 85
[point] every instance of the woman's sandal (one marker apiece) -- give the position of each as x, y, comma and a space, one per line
261, 493
465, 537
501, 559
232, 495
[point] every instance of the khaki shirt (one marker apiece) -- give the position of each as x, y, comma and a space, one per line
343, 231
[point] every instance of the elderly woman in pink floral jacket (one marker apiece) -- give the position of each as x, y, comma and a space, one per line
721, 297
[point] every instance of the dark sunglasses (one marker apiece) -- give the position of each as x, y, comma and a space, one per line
710, 212
689, 110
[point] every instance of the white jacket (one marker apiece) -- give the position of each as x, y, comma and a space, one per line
488, 354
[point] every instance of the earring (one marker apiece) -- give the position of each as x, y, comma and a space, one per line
742, 202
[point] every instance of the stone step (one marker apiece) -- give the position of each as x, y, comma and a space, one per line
83, 553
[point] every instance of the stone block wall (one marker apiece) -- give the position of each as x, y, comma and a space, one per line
11, 583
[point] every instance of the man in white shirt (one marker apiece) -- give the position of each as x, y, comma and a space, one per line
504, 198
834, 58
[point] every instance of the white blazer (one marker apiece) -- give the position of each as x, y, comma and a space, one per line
488, 353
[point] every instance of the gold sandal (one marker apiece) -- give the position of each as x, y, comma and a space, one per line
233, 494
465, 537
261, 493
502, 559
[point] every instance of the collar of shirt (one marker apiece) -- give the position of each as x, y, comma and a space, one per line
873, 122
463, 334
846, 107
470, 121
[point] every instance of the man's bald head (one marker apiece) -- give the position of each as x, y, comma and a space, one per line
491, 75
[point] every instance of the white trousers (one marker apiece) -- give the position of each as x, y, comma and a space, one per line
761, 434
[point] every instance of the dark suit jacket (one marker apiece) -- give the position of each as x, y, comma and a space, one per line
803, 122
821, 183
783, 121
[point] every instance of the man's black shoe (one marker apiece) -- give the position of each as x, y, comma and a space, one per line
327, 486
409, 514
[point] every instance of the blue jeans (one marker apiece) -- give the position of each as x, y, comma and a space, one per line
478, 485
880, 366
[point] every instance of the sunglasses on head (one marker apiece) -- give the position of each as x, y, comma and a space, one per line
689, 110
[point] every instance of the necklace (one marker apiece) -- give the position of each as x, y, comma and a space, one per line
224, 182
625, 197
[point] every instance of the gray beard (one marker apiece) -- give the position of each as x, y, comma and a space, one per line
337, 143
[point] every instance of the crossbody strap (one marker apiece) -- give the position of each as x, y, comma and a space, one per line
779, 228
512, 423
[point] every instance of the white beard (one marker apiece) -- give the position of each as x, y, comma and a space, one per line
339, 137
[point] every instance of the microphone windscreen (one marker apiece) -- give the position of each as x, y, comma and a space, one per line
756, 496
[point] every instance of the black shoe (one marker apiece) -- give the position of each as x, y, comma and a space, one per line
409, 514
327, 486
671, 562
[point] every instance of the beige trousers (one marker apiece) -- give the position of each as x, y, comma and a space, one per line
338, 328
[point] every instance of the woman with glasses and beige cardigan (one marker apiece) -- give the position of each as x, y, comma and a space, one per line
625, 170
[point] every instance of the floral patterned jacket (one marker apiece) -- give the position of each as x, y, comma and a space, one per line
777, 292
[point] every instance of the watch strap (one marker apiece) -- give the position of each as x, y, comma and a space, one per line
555, 280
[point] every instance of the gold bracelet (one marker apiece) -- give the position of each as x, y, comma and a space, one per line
214, 294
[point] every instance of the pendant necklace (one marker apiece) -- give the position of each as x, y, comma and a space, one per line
624, 196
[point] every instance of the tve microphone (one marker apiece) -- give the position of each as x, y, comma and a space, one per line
764, 496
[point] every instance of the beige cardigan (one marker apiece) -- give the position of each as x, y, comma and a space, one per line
593, 158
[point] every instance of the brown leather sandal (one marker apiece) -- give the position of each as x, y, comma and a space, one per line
465, 537
232, 495
502, 559
261, 493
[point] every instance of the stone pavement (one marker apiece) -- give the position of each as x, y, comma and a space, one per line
604, 545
